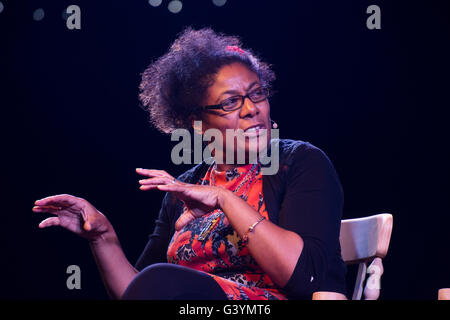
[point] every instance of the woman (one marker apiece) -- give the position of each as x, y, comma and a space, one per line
225, 231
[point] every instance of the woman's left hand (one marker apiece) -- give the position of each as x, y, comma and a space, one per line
198, 199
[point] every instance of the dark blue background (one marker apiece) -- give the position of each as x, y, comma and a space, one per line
374, 100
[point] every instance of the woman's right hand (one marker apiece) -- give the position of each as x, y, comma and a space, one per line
74, 214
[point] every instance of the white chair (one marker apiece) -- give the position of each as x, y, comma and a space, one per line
364, 241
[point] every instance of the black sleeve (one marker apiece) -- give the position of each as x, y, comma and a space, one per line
312, 207
156, 249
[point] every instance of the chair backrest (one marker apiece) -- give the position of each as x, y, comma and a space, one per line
366, 241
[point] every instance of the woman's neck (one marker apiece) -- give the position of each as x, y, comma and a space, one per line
224, 167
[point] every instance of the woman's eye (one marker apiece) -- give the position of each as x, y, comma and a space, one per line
231, 101
258, 93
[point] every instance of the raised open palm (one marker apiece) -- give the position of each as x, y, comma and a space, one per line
74, 214
198, 199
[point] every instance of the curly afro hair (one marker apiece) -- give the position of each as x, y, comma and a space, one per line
174, 86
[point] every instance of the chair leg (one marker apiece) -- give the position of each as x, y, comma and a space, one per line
357, 292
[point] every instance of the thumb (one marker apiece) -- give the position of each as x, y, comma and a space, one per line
87, 226
183, 220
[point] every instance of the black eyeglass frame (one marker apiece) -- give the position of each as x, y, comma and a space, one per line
220, 105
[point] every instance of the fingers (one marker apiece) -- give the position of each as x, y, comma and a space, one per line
60, 200
153, 173
153, 183
156, 181
56, 221
49, 208
171, 187
162, 187
49, 222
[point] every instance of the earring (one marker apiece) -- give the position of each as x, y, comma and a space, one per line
274, 124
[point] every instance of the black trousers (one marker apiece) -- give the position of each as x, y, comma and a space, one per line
167, 281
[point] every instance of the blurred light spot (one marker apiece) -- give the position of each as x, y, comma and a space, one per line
1, 7
175, 6
219, 3
154, 3
38, 14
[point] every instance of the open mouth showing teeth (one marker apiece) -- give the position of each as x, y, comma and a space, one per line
254, 129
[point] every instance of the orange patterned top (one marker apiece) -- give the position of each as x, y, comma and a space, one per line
211, 245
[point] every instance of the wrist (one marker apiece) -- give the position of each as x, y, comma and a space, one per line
223, 196
104, 239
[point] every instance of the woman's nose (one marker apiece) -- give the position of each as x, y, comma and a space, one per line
249, 108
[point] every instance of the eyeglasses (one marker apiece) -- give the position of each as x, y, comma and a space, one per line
236, 102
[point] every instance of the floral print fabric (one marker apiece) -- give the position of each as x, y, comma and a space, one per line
211, 245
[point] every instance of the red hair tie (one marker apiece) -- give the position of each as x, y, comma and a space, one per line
235, 49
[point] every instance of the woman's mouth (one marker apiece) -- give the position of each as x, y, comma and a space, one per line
254, 131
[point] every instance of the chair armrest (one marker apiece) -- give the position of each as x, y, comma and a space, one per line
328, 295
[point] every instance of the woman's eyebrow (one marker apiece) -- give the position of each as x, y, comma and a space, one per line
252, 85
232, 91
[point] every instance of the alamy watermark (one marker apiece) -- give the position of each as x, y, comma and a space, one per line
374, 20
238, 147
74, 280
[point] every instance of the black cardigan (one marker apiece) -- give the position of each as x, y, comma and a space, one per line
305, 197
